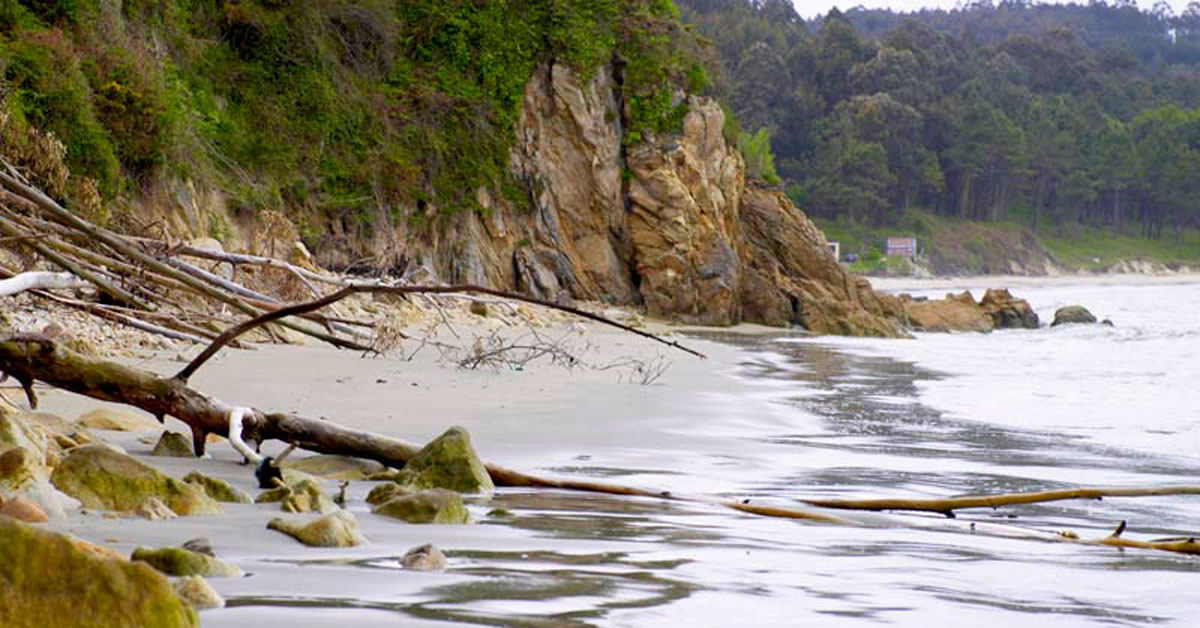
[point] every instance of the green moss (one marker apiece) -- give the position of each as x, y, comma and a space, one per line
219, 490
48, 581
101, 477
176, 561
447, 462
429, 506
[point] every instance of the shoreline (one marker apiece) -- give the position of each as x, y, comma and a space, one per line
960, 282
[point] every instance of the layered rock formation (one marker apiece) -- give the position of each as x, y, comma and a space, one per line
667, 224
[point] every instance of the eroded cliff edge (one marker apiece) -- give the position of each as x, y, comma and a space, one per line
669, 224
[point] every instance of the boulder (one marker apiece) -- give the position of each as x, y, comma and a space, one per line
117, 420
195, 590
177, 561
424, 558
154, 509
101, 477
173, 444
334, 467
429, 506
956, 312
300, 496
450, 462
386, 491
1007, 311
22, 508
219, 490
46, 580
336, 529
25, 457
1073, 314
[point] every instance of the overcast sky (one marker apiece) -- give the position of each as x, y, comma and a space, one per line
810, 8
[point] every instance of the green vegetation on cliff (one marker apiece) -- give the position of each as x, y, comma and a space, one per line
355, 108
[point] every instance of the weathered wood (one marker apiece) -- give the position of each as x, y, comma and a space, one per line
948, 505
39, 280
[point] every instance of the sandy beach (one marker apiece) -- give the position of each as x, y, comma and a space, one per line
544, 419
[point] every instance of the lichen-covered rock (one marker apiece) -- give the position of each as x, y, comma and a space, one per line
450, 462
1007, 311
101, 477
173, 444
118, 420
301, 496
219, 490
177, 561
424, 558
336, 529
334, 467
1076, 314
195, 590
46, 580
386, 491
429, 506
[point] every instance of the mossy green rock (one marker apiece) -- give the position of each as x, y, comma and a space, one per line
173, 444
177, 561
101, 477
448, 462
335, 467
219, 490
45, 580
388, 491
430, 506
337, 529
300, 496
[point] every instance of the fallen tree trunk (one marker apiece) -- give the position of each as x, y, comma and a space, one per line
39, 280
30, 357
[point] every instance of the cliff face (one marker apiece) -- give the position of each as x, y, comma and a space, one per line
667, 224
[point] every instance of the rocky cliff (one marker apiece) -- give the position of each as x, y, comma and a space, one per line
668, 224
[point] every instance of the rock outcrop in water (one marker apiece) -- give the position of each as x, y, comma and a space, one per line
1072, 314
960, 312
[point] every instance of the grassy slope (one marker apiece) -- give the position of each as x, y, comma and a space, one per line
954, 246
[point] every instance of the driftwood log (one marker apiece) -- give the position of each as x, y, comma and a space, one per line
32, 357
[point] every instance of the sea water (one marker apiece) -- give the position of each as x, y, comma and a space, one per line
805, 417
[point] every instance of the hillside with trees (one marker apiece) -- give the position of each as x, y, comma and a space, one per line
1066, 116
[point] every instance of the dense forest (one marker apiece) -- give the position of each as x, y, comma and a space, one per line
355, 111
1049, 114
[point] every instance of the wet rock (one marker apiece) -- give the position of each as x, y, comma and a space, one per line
424, 558
173, 444
956, 312
385, 492
154, 509
337, 529
103, 478
195, 590
219, 490
1007, 311
428, 506
301, 496
479, 308
334, 467
177, 561
25, 457
118, 420
22, 508
200, 545
1073, 314
49, 581
449, 462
